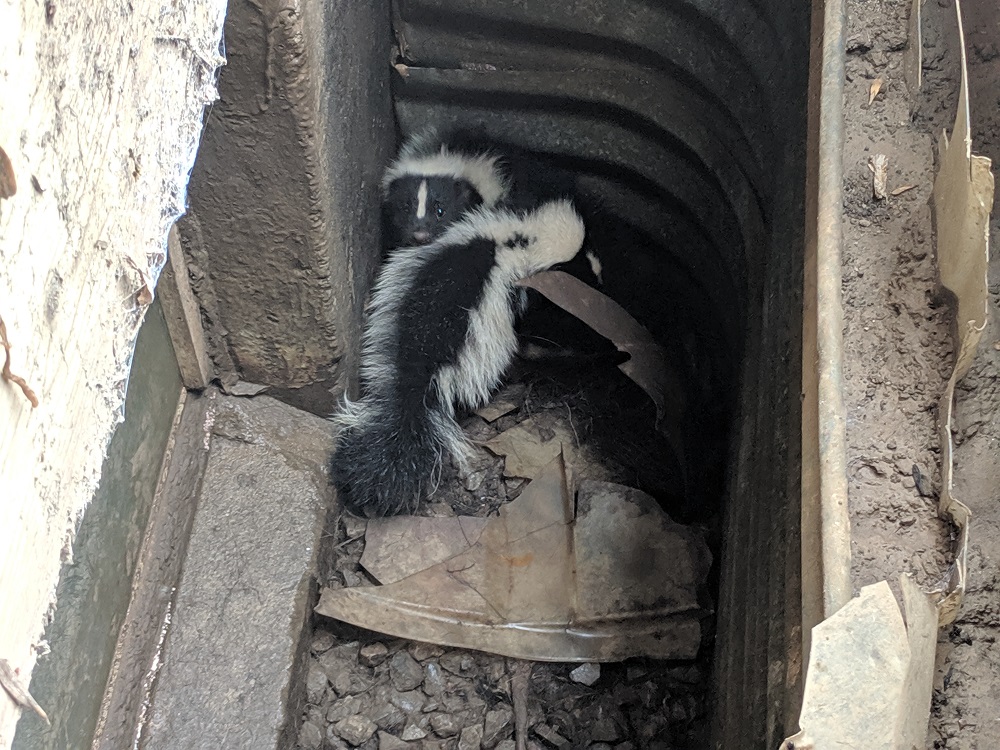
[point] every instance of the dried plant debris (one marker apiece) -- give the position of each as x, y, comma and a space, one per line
8, 375
874, 89
878, 165
902, 189
648, 365
8, 185
507, 400
144, 294
14, 687
552, 578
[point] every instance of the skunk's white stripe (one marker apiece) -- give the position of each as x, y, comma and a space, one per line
524, 245
422, 199
595, 266
553, 234
480, 171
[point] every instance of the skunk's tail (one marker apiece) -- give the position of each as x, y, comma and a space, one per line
388, 457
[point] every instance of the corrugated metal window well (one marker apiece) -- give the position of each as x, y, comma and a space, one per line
630, 526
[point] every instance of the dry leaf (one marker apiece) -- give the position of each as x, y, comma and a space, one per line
8, 185
874, 89
527, 451
902, 189
878, 164
400, 546
648, 366
602, 576
503, 403
8, 375
143, 295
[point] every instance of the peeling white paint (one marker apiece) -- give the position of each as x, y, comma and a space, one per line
101, 106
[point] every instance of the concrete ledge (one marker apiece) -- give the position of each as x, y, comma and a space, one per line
283, 232
235, 648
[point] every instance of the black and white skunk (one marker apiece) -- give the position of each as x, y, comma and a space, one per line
433, 183
440, 334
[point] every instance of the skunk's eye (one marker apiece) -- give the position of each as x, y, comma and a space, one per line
439, 210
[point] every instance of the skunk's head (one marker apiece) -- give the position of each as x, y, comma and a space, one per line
429, 187
418, 209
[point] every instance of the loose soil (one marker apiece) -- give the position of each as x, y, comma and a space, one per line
898, 350
966, 708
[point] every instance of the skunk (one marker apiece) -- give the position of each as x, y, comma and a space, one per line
434, 183
438, 178
440, 334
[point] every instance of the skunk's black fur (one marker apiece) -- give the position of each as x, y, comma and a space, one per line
440, 333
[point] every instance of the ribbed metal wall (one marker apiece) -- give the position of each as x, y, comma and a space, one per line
686, 120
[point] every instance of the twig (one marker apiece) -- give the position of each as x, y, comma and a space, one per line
8, 375
20, 695
519, 683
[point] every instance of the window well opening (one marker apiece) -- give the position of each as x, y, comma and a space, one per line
685, 124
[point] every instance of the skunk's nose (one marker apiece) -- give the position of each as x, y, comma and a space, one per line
421, 236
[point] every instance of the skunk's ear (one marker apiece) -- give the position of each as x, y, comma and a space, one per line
467, 195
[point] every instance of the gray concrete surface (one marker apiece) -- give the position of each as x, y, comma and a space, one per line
283, 231
234, 647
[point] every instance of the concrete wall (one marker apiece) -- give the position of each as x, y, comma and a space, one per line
283, 233
101, 114
95, 589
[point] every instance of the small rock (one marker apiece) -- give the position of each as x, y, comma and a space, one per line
405, 672
355, 729
497, 726
341, 682
354, 527
471, 738
310, 737
387, 717
445, 725
351, 579
865, 223
413, 732
341, 709
586, 674
410, 702
373, 654
690, 675
316, 684
333, 742
387, 741
433, 679
678, 714
474, 480
550, 735
604, 730
423, 651
635, 672
507, 745
322, 642
457, 662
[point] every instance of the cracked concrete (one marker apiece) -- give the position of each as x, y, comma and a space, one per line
232, 656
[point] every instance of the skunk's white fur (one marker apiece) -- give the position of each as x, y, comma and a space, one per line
424, 155
390, 460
